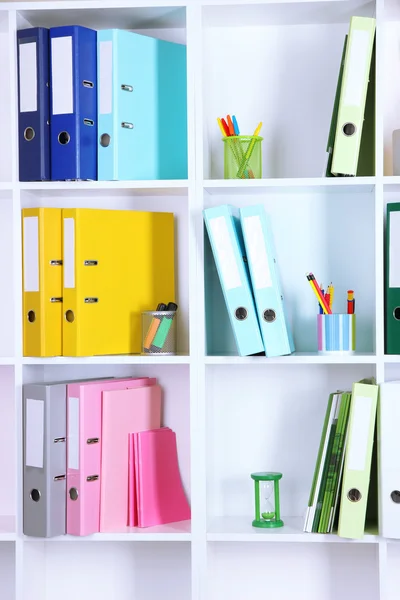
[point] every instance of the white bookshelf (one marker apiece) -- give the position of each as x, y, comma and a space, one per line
270, 61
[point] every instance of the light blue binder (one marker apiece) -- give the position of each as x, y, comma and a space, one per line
261, 257
226, 240
142, 107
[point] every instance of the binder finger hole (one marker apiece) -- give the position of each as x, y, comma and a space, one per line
31, 316
69, 316
241, 313
395, 496
105, 140
396, 313
349, 129
35, 495
73, 494
269, 315
29, 134
354, 495
63, 137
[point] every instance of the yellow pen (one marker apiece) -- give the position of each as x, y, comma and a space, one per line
332, 292
221, 127
257, 131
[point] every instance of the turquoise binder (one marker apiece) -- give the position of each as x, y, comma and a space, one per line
142, 107
261, 258
226, 240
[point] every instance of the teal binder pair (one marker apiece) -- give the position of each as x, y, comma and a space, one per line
244, 254
142, 107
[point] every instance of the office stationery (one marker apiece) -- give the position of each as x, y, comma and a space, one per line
84, 424
357, 466
164, 341
353, 96
247, 156
154, 325
350, 302
388, 421
230, 125
160, 497
324, 295
221, 127
44, 486
334, 118
336, 333
236, 165
266, 497
124, 412
226, 239
235, 125
135, 251
34, 104
226, 127
267, 290
73, 102
392, 279
142, 107
42, 281
318, 293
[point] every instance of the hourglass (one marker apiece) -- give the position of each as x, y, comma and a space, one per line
266, 490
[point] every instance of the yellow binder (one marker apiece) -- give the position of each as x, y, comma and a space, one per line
42, 281
116, 265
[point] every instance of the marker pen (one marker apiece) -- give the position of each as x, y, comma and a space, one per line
163, 329
154, 325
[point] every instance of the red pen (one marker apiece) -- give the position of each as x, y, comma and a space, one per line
225, 126
351, 303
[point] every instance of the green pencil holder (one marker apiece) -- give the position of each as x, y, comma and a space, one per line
159, 332
242, 157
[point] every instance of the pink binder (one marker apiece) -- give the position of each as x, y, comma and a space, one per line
123, 412
84, 451
160, 497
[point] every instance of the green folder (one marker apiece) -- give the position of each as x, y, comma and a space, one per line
332, 129
392, 283
357, 467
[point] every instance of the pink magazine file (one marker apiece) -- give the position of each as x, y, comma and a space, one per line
84, 451
124, 412
160, 496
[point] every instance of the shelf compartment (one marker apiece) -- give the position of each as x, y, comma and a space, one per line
239, 529
8, 448
7, 570
7, 275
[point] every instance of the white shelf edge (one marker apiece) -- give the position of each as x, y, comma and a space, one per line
115, 537
294, 359
150, 184
7, 360
108, 360
93, 4
213, 185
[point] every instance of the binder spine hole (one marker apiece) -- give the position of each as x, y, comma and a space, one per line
241, 313
69, 316
354, 495
126, 88
35, 495
31, 316
349, 129
269, 315
396, 313
87, 84
88, 122
56, 299
63, 138
73, 494
126, 125
92, 478
92, 441
29, 134
395, 496
105, 140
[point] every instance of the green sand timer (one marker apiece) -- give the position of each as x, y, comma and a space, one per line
266, 490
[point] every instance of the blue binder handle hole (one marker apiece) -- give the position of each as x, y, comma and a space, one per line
354, 495
64, 137
31, 316
69, 316
29, 134
241, 313
396, 313
35, 495
349, 129
395, 496
105, 140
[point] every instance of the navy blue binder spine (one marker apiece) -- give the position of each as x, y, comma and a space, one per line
34, 125
74, 127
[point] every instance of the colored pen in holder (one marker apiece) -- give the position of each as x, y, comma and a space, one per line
336, 333
159, 331
242, 157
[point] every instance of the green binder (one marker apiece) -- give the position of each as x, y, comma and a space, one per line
392, 283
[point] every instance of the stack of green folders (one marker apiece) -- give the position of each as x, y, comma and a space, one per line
324, 496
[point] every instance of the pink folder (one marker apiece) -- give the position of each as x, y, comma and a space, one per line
84, 450
124, 412
160, 497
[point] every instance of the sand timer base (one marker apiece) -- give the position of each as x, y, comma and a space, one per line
267, 524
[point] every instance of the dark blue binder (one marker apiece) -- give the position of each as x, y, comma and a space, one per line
73, 102
33, 104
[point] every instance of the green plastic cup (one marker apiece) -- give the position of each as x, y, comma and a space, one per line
242, 157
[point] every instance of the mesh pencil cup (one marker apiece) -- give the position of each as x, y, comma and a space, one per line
242, 157
159, 332
336, 334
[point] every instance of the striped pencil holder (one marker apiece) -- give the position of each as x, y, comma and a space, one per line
336, 333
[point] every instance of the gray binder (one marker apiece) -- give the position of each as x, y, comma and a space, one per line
45, 458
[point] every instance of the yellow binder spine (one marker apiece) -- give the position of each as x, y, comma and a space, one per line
42, 281
70, 318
